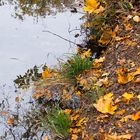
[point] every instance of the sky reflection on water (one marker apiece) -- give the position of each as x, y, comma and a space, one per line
23, 44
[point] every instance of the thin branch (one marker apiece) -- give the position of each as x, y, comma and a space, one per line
62, 38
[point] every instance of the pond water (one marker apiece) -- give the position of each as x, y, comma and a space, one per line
23, 43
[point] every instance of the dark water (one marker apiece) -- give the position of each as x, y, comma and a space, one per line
23, 43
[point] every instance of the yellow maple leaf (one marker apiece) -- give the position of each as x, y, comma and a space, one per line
105, 104
91, 5
128, 96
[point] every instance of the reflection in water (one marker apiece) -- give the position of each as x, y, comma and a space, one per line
41, 8
27, 42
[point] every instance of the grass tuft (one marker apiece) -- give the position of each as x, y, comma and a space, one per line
76, 65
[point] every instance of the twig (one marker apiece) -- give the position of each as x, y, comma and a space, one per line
62, 38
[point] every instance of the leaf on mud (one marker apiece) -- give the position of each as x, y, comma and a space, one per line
46, 74
74, 137
86, 53
121, 112
81, 122
10, 121
123, 76
120, 137
136, 116
103, 81
106, 37
105, 104
100, 60
136, 18
128, 96
122, 38
93, 6
128, 26
126, 118
67, 111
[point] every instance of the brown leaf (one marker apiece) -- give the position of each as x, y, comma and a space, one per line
10, 121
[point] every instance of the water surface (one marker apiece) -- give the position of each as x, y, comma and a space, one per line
23, 43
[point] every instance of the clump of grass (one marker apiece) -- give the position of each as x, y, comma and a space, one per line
57, 121
76, 65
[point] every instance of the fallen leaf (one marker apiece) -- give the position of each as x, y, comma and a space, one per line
105, 104
121, 112
138, 97
86, 53
123, 76
126, 118
100, 60
67, 111
137, 81
128, 96
91, 5
74, 137
10, 121
99, 10
122, 38
136, 18
118, 137
136, 116
46, 73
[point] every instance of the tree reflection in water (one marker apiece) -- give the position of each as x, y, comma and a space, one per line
38, 8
